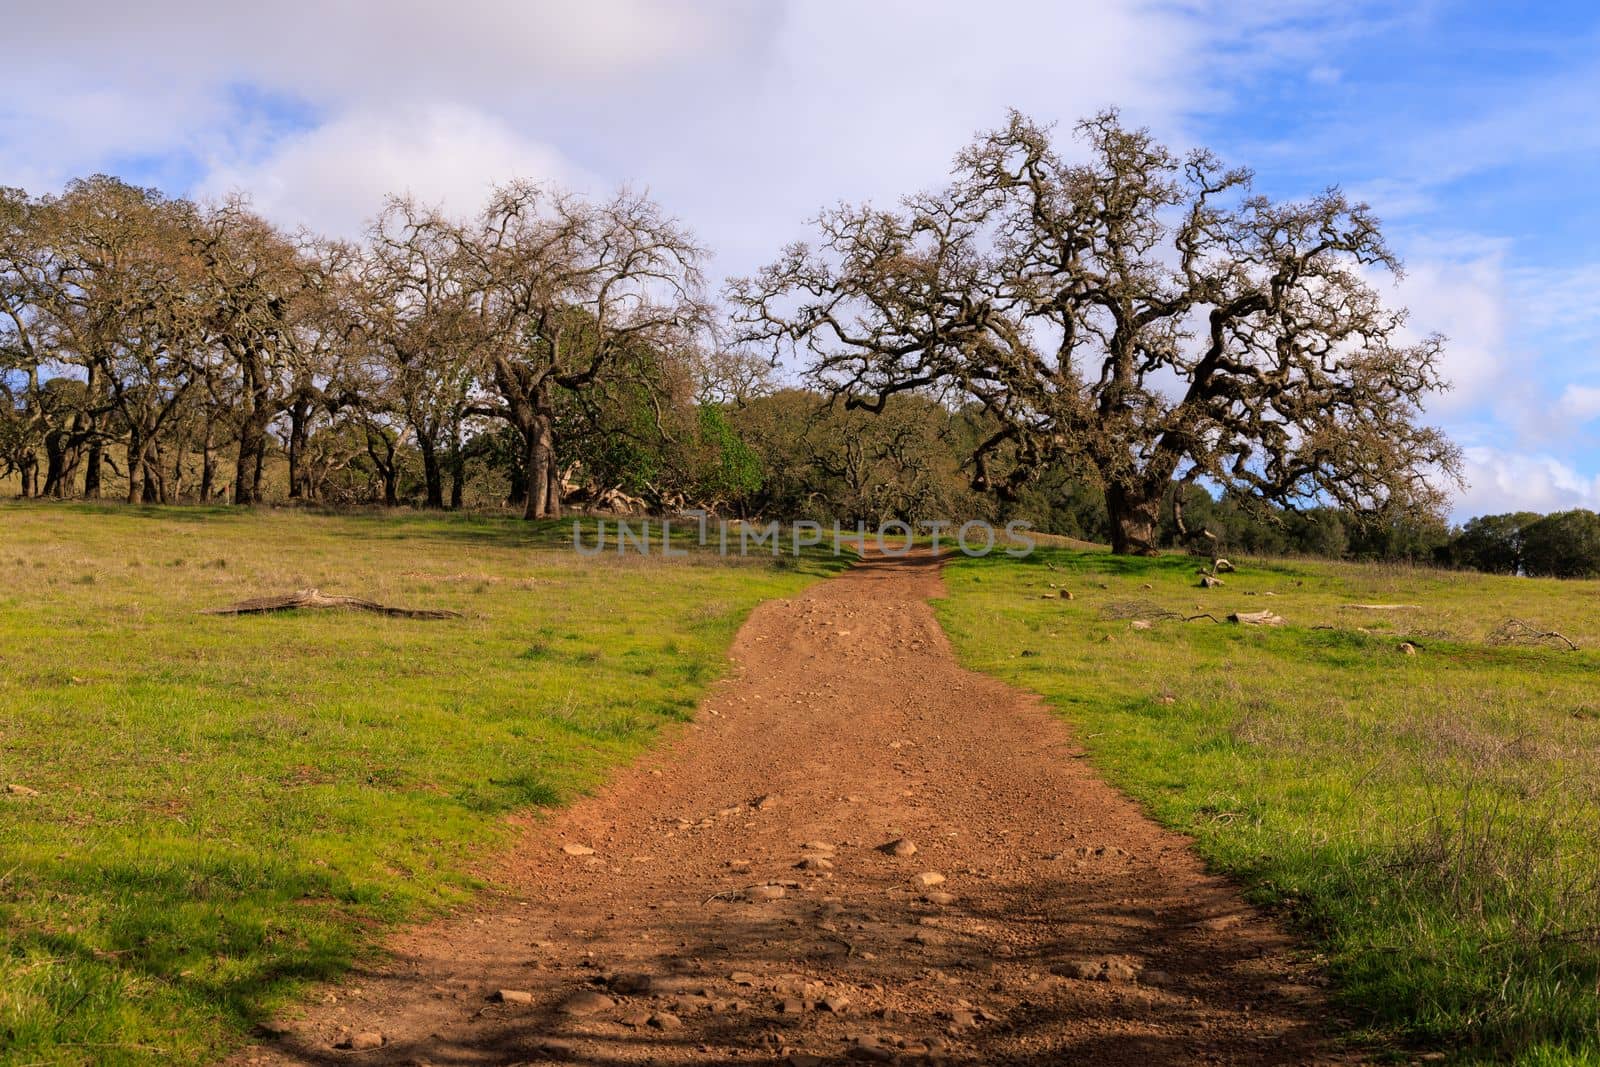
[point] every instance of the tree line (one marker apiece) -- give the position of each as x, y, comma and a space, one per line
1124, 342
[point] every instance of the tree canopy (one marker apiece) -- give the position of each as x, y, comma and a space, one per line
1139, 316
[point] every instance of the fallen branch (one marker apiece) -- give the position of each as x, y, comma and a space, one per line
314, 598
1515, 631
1256, 618
1381, 607
1136, 609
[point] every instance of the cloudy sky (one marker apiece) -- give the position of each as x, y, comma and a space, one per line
1471, 127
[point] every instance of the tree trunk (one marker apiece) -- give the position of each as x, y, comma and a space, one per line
552, 500
544, 492
298, 418
458, 472
430, 469
55, 452
1135, 516
91, 471
252, 433
208, 463
136, 449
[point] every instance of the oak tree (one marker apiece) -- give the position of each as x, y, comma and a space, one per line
1136, 314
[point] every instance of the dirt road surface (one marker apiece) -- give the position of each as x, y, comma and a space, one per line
742, 903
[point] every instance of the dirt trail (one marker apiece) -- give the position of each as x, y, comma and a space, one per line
1068, 927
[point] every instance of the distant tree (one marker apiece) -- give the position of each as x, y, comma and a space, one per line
1494, 543
574, 292
1563, 545
1138, 314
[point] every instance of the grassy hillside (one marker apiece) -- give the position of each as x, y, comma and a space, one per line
1431, 820
227, 806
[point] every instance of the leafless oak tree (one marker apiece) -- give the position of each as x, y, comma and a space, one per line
1139, 315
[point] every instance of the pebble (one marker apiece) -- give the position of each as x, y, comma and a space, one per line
632, 985
365, 1041
577, 850
665, 1020
556, 1049
835, 1004
513, 996
791, 1006
818, 846
929, 879
900, 847
939, 897
18, 790
587, 1002
764, 892
815, 863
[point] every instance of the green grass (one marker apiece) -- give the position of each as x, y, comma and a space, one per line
1430, 823
232, 806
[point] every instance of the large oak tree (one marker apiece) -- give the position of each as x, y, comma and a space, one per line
1135, 314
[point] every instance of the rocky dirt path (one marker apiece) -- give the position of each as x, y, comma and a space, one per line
858, 852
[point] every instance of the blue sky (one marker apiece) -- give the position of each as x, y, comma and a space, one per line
1470, 127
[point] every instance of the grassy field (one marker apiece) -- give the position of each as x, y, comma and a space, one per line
1431, 821
229, 806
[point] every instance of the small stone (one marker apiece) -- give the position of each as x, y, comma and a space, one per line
929, 879
900, 847
869, 1049
638, 1020
1083, 970
1065, 594
802, 1059
764, 892
513, 996
556, 1049
738, 866
818, 846
963, 1020
1142, 624
764, 803
928, 937
577, 850
744, 978
1408, 648
939, 897
587, 1002
18, 790
791, 1006
364, 1041
632, 985
815, 863
665, 1020
1119, 971
836, 1005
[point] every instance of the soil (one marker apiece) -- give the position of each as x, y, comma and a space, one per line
743, 903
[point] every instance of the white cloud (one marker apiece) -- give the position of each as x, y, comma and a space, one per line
335, 176
1581, 402
1460, 293
1502, 481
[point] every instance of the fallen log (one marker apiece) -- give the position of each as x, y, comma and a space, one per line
1256, 618
315, 598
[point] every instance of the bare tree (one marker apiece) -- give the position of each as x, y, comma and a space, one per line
418, 307
571, 292
1138, 315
